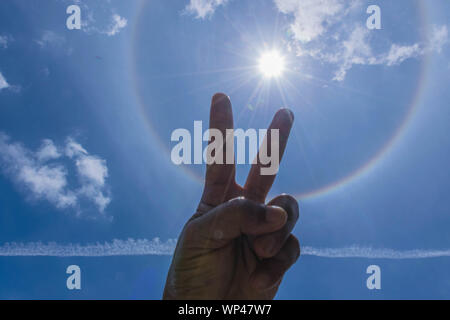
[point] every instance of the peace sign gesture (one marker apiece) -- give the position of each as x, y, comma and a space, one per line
235, 246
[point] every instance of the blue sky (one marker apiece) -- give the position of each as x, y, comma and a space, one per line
86, 118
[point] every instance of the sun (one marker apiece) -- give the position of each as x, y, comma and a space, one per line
271, 64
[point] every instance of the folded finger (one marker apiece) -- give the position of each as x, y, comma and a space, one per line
232, 219
270, 271
268, 245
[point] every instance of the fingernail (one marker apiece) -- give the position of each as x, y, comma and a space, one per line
288, 113
219, 97
275, 214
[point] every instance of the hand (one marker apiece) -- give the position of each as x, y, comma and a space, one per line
235, 246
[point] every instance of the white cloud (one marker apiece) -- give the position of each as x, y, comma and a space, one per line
92, 172
50, 38
373, 253
47, 182
114, 248
93, 169
94, 14
3, 83
204, 8
354, 50
331, 31
44, 181
398, 53
326, 31
344, 54
439, 38
141, 247
48, 151
357, 50
73, 148
95, 194
117, 24
312, 17
44, 173
5, 40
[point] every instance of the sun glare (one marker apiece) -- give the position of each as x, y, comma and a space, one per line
271, 64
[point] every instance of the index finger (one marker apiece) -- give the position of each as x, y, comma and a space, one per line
258, 183
219, 175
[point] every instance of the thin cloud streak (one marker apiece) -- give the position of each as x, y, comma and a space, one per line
371, 253
128, 247
157, 247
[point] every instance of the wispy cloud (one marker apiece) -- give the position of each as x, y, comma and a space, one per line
372, 253
50, 38
397, 54
3, 83
106, 21
357, 50
325, 31
5, 40
203, 8
44, 173
118, 23
92, 172
331, 32
48, 151
115, 248
312, 18
131, 247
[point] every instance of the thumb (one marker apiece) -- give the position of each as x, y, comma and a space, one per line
232, 219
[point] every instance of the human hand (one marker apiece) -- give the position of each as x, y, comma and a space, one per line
235, 246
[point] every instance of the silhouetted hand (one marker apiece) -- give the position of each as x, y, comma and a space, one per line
235, 246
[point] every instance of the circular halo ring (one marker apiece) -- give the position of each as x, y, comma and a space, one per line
330, 187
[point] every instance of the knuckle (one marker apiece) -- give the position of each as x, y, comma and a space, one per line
244, 205
247, 213
238, 206
238, 202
